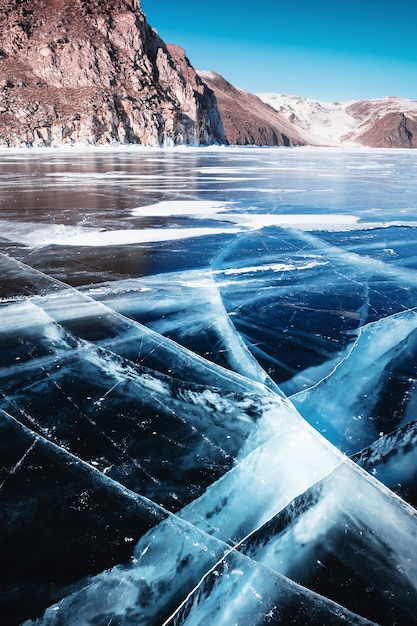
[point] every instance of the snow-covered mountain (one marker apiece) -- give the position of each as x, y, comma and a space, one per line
388, 122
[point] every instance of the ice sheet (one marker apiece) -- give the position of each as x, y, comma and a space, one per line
191, 340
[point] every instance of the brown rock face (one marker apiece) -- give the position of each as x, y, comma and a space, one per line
385, 124
94, 72
247, 120
394, 130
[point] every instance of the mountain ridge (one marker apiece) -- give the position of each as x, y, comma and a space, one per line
95, 72
246, 119
388, 122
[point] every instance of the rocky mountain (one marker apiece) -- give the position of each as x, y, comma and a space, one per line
94, 71
382, 123
247, 120
385, 123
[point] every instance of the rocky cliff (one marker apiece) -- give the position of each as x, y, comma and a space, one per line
247, 120
93, 71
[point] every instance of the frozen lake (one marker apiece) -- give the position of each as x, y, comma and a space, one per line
208, 377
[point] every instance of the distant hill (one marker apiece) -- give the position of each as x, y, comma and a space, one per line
247, 120
278, 119
383, 123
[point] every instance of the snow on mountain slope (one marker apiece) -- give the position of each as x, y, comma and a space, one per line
388, 122
384, 122
324, 122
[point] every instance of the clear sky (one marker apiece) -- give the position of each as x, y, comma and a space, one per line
329, 50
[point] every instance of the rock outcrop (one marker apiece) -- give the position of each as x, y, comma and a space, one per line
94, 71
247, 120
385, 123
388, 122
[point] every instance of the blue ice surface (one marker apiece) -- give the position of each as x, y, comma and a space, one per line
208, 386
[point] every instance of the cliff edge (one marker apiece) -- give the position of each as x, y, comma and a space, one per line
95, 72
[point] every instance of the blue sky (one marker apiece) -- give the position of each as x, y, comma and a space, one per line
324, 49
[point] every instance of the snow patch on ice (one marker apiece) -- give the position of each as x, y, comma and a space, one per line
39, 235
273, 267
181, 207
